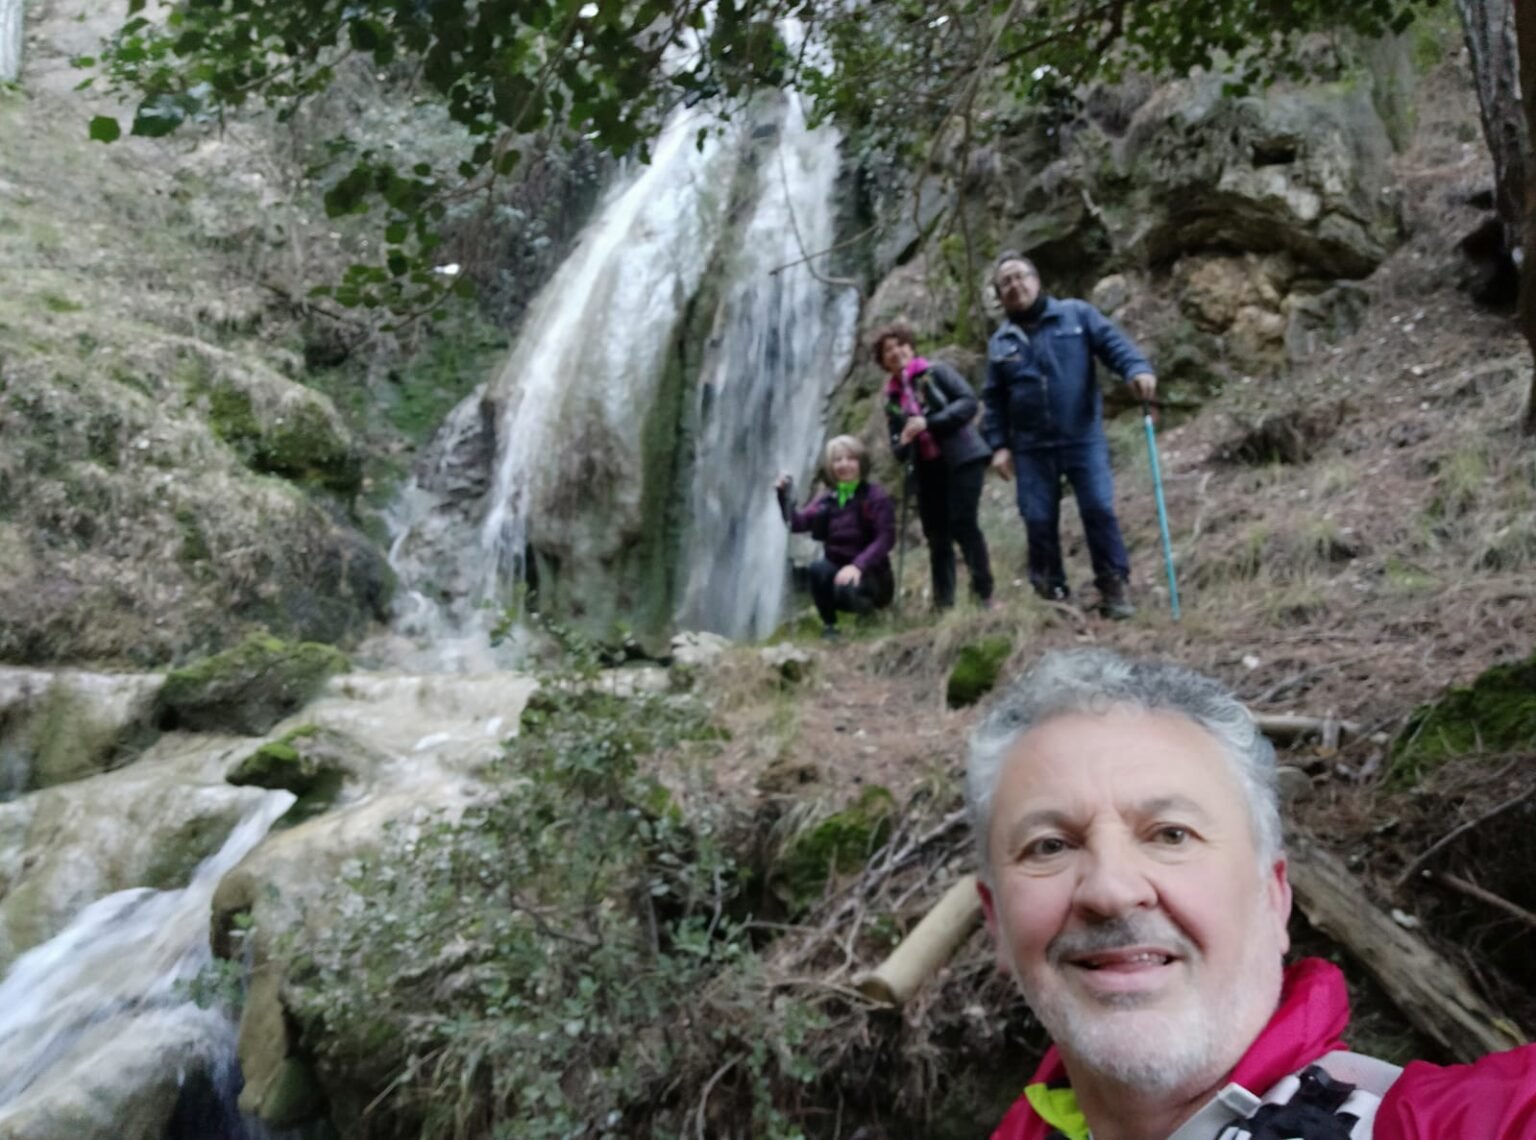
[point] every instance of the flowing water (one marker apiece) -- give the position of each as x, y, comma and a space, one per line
742, 206
105, 1004
784, 337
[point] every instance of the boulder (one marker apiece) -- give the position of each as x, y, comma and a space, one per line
61, 726
1110, 294
248, 688
790, 663
1303, 171
147, 825
695, 649
309, 761
274, 425
1315, 320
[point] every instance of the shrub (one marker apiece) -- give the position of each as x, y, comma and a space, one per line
541, 966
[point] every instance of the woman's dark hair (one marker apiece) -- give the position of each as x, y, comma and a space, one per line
898, 330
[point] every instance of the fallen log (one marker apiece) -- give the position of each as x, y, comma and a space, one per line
1430, 990
930, 944
1286, 727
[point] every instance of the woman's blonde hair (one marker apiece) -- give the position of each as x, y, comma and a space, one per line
845, 445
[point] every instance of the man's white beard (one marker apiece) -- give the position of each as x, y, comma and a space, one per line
1159, 1050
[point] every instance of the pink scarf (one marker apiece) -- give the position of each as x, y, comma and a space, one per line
900, 391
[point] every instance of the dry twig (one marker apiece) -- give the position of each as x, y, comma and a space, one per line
1472, 890
1450, 837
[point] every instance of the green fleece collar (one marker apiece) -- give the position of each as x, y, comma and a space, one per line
845, 492
1058, 1108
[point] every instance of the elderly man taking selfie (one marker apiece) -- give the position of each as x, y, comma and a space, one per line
1134, 881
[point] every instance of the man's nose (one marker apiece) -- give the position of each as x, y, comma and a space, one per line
1112, 882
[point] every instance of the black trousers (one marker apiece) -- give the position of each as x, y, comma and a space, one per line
874, 591
947, 503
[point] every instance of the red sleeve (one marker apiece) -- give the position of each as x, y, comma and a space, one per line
1021, 1123
1491, 1099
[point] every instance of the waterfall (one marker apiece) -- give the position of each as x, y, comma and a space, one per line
782, 338
101, 1012
12, 35
677, 361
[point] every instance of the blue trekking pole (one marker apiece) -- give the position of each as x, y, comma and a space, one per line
1162, 508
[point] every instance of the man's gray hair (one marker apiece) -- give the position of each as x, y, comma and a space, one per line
1096, 680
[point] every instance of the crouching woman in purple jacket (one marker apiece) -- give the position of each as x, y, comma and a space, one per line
855, 522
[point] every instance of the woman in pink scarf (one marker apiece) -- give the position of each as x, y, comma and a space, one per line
931, 412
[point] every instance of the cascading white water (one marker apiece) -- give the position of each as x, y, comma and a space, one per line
569, 466
107, 997
595, 342
783, 337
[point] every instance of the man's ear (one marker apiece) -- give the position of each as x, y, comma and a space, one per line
1277, 889
989, 914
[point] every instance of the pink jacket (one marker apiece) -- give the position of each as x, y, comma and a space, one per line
1492, 1099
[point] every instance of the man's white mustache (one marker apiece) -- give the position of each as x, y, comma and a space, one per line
1118, 934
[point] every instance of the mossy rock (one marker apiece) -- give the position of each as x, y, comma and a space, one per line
303, 444
249, 688
976, 670
839, 844
310, 762
1495, 713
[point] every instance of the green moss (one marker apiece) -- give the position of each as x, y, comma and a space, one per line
249, 688
302, 446
839, 844
57, 304
65, 740
976, 670
1496, 713
178, 854
232, 418
293, 1098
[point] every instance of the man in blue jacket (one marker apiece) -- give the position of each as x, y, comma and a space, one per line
1044, 419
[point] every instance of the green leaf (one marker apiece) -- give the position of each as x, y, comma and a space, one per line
396, 232
104, 128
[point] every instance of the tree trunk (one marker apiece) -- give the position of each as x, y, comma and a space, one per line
1525, 28
1490, 31
1501, 39
11, 30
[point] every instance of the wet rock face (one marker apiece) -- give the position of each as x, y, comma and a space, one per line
59, 727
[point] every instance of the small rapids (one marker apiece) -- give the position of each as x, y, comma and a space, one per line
102, 1015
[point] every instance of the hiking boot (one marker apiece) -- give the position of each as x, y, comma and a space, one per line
831, 633
1061, 593
1115, 600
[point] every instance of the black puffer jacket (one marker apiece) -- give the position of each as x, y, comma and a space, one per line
949, 405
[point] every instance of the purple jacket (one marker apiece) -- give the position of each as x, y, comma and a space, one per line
862, 532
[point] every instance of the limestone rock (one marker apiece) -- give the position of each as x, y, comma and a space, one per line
697, 648
1314, 320
1111, 294
248, 688
278, 427
61, 726
919, 290
146, 825
792, 664
1304, 172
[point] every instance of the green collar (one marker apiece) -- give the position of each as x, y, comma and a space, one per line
1058, 1108
845, 492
